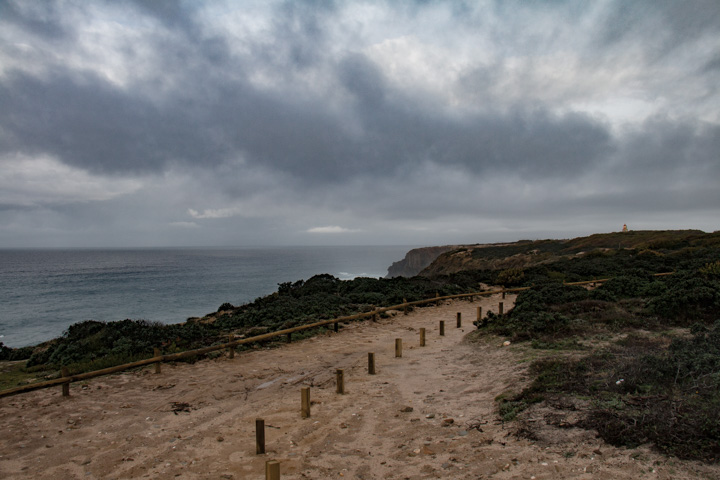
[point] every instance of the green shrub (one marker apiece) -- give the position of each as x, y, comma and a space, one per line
511, 277
711, 270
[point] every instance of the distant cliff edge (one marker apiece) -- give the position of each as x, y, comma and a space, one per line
416, 260
529, 253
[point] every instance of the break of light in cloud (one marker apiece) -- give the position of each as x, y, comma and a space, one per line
331, 229
246, 122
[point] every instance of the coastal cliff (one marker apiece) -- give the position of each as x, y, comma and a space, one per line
526, 253
416, 260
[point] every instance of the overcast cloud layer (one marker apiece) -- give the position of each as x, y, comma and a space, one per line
163, 123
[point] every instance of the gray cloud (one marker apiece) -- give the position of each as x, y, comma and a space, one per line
287, 117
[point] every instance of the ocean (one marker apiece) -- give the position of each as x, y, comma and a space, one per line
42, 292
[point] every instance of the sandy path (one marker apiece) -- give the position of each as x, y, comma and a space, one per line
123, 426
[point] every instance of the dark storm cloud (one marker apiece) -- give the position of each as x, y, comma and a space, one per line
667, 151
40, 18
85, 122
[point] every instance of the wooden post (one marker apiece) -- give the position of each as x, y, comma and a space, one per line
305, 402
503, 294
336, 327
422, 337
472, 298
405, 310
374, 317
289, 337
500, 308
231, 348
371, 363
459, 319
340, 374
156, 353
272, 470
442, 328
479, 313
65, 386
259, 436
398, 347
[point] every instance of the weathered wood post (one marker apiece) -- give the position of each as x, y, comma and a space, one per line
500, 308
503, 294
422, 337
472, 298
158, 366
375, 316
305, 402
259, 436
398, 347
479, 313
231, 348
336, 327
340, 375
65, 386
405, 308
289, 337
459, 319
272, 470
371, 363
442, 328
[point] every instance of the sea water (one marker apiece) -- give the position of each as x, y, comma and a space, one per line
42, 292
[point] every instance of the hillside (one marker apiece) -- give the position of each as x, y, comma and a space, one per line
528, 253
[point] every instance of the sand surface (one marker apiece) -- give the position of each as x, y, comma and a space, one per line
429, 414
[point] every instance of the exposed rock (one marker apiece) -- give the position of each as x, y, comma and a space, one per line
416, 260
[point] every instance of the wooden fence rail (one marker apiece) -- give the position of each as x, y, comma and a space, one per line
259, 338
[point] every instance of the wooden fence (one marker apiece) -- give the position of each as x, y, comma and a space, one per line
65, 380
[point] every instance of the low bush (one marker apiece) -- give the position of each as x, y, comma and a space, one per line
642, 391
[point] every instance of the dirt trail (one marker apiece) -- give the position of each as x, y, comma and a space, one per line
429, 414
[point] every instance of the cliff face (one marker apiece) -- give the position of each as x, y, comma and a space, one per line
416, 260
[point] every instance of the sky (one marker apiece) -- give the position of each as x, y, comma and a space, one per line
257, 123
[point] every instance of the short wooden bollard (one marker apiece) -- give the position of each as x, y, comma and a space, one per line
305, 402
442, 328
272, 470
289, 337
231, 348
398, 347
472, 298
65, 386
405, 310
503, 294
500, 308
259, 436
479, 313
422, 337
459, 319
371, 363
340, 375
336, 327
158, 367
